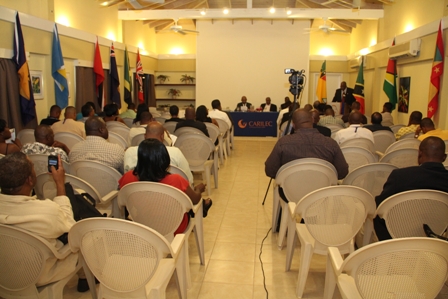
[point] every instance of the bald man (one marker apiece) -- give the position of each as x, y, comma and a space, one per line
45, 144
96, 147
355, 130
306, 142
155, 130
430, 174
69, 124
190, 121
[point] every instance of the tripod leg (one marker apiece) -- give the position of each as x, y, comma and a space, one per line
267, 190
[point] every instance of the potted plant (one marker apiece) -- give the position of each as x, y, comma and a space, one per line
174, 92
187, 79
163, 78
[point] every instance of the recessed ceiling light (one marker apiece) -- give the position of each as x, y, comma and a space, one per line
225, 11
272, 10
203, 12
288, 11
104, 3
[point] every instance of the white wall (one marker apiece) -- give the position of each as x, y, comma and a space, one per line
246, 58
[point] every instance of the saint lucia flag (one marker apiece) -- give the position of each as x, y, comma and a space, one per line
27, 104
58, 71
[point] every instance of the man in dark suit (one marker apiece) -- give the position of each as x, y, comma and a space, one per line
344, 95
376, 125
431, 174
286, 103
244, 105
190, 121
268, 107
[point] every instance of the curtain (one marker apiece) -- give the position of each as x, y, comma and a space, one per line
9, 96
149, 92
86, 89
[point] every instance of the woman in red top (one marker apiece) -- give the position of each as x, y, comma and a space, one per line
152, 166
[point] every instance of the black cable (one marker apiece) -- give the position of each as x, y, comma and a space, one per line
261, 262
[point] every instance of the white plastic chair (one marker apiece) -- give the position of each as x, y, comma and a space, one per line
162, 208
383, 139
197, 149
334, 127
23, 256
408, 136
298, 178
137, 139
170, 126
215, 134
26, 136
114, 124
160, 119
406, 212
176, 170
188, 130
333, 216
395, 128
40, 162
357, 157
129, 260
283, 130
128, 121
403, 143
359, 142
67, 138
123, 131
102, 177
226, 136
117, 139
400, 268
401, 158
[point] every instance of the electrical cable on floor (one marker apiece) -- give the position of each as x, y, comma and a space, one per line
261, 262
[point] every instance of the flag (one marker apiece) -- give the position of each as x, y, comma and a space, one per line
27, 104
358, 91
321, 90
390, 81
114, 93
127, 79
436, 72
58, 71
99, 74
139, 74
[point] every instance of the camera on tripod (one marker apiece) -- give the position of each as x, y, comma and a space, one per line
296, 80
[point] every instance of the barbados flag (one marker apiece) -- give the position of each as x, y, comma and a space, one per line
27, 104
58, 72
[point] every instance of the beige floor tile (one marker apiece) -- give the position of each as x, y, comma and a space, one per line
230, 272
233, 252
225, 291
236, 235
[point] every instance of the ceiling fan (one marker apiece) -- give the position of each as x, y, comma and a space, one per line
326, 28
178, 29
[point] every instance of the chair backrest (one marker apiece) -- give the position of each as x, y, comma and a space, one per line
395, 128
403, 143
156, 205
112, 124
401, 268
128, 121
406, 212
196, 148
2, 156
117, 139
408, 136
40, 162
213, 131
334, 127
370, 177
26, 136
357, 156
223, 126
123, 131
69, 139
383, 139
334, 215
102, 177
176, 170
359, 142
22, 261
300, 177
170, 126
283, 128
401, 158
160, 119
137, 139
122, 255
188, 130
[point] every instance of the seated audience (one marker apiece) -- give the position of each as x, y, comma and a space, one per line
174, 112
316, 117
190, 121
91, 104
145, 119
96, 147
140, 109
376, 125
156, 131
388, 120
218, 113
111, 113
308, 107
152, 166
355, 129
319, 107
330, 119
55, 114
5, 134
267, 106
427, 129
130, 113
355, 107
87, 111
430, 174
414, 123
286, 103
202, 116
283, 112
69, 124
45, 144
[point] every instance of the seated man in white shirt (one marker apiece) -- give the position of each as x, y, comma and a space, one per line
155, 130
218, 113
355, 130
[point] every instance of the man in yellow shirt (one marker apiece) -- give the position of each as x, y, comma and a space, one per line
414, 123
428, 129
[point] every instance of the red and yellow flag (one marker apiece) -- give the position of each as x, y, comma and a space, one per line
436, 73
321, 90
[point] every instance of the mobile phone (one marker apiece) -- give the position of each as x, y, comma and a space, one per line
52, 161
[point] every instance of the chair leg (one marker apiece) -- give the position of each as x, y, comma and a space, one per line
330, 280
291, 239
283, 225
368, 230
199, 235
275, 209
215, 171
207, 179
306, 253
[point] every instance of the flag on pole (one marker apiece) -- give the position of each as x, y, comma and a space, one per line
358, 91
27, 104
321, 90
114, 93
390, 81
127, 79
436, 73
58, 71
99, 75
139, 74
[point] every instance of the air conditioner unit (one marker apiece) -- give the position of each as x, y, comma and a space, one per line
407, 49
356, 62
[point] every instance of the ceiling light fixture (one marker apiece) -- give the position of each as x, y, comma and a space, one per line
272, 9
288, 11
225, 11
203, 12
104, 3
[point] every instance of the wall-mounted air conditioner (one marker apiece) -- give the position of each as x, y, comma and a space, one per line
356, 62
408, 49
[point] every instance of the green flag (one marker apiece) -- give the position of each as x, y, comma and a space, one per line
127, 79
390, 81
358, 91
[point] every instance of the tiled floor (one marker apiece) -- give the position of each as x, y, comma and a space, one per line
233, 232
